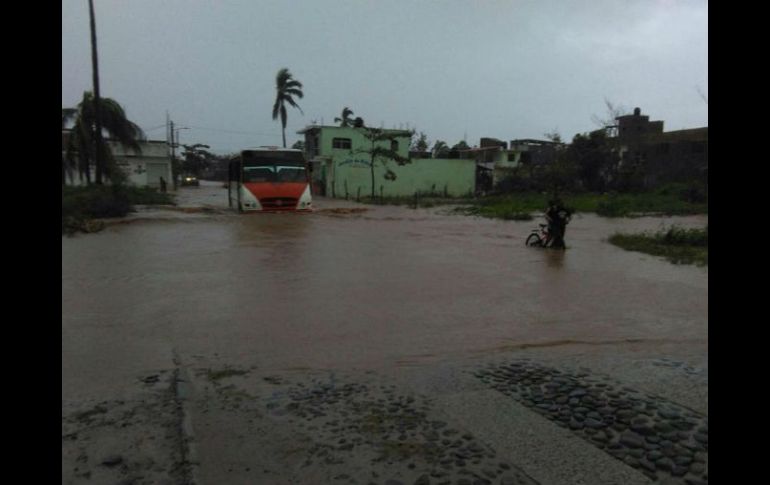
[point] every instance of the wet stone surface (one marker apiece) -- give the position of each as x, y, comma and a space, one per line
656, 436
125, 441
394, 436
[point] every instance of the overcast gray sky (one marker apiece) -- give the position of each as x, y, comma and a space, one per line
453, 69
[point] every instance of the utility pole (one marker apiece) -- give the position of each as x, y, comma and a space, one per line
170, 144
173, 135
97, 103
173, 155
173, 145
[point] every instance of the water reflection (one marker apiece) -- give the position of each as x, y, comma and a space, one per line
275, 243
555, 258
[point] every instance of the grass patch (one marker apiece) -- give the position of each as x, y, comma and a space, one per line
512, 207
521, 206
415, 202
81, 206
518, 216
669, 200
678, 245
624, 205
148, 196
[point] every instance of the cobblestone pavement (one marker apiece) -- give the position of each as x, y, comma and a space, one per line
393, 428
305, 426
654, 435
343, 430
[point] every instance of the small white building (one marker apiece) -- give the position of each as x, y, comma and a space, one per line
143, 168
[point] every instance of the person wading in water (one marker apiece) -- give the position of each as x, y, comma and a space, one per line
557, 216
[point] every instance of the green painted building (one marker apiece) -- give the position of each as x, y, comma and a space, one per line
341, 162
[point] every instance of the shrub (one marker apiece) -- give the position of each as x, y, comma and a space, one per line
95, 202
517, 216
677, 236
82, 204
678, 245
612, 207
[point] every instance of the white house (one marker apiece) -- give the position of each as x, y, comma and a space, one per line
146, 168
143, 168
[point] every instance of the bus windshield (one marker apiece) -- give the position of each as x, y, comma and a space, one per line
273, 167
274, 173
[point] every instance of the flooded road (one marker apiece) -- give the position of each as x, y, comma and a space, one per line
375, 288
251, 311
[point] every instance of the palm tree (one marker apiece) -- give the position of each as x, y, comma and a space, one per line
66, 169
345, 121
285, 87
440, 148
66, 115
81, 149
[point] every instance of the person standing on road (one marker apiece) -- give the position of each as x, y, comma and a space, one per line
162, 185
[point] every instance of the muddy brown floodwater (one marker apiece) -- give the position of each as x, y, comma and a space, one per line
367, 290
377, 287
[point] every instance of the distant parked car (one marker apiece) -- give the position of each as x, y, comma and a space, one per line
190, 180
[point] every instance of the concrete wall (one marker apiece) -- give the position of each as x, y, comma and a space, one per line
144, 169
674, 156
358, 141
456, 177
349, 168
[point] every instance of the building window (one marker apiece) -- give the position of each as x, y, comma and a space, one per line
511, 157
341, 143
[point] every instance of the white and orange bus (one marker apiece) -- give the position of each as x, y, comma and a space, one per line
269, 179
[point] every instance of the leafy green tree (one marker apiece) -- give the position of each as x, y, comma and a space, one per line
421, 143
81, 149
560, 173
461, 146
381, 150
286, 88
593, 159
196, 159
345, 120
628, 176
